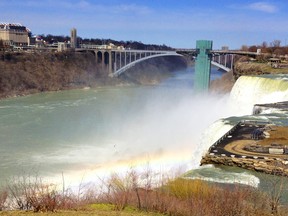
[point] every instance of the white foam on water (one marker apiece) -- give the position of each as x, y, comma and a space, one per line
230, 177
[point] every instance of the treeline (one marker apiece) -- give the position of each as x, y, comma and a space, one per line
272, 48
97, 41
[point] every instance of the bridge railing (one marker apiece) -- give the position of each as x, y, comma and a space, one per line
239, 52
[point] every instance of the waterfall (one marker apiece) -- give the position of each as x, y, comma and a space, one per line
251, 90
247, 91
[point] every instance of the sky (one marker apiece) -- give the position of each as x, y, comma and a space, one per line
175, 23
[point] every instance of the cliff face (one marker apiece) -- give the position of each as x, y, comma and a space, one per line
22, 73
26, 73
223, 84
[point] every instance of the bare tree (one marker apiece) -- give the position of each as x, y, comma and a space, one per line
1, 45
276, 43
252, 49
264, 44
276, 184
244, 47
3, 198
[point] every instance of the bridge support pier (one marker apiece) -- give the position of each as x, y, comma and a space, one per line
110, 63
203, 65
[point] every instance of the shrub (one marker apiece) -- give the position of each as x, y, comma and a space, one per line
3, 198
184, 197
32, 193
146, 191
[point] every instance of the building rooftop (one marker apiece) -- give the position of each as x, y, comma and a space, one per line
16, 26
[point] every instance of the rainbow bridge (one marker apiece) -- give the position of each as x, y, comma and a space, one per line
117, 61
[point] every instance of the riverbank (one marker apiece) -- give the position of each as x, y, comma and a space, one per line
223, 84
125, 196
28, 73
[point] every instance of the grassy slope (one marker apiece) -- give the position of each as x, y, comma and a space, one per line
254, 68
94, 209
84, 212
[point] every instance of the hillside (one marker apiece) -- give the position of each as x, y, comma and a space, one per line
26, 73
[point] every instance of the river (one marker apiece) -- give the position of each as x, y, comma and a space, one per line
87, 133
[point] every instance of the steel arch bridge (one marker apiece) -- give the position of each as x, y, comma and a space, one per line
117, 61
121, 70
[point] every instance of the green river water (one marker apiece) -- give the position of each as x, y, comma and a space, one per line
87, 133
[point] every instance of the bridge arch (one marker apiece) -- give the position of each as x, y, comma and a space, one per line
133, 63
106, 58
220, 66
137, 60
99, 57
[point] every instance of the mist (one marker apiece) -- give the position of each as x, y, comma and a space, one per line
94, 132
168, 128
164, 132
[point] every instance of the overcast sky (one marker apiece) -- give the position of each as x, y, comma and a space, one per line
176, 23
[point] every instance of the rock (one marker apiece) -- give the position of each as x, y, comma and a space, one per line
266, 165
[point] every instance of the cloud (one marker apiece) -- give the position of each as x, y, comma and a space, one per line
263, 6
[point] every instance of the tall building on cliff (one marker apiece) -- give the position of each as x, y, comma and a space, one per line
73, 38
14, 34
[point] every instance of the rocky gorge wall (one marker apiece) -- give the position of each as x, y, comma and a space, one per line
27, 73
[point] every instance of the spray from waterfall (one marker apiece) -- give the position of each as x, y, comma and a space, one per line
167, 127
